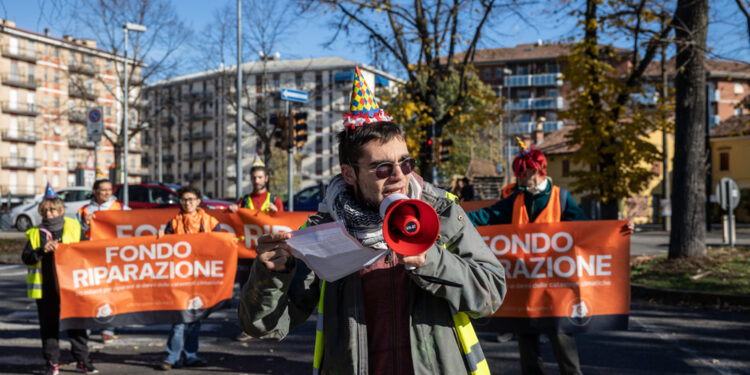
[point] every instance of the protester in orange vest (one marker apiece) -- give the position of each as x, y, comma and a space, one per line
102, 200
534, 199
192, 219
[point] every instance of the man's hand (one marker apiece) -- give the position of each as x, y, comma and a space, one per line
50, 246
160, 233
273, 251
412, 261
272, 208
88, 218
629, 227
233, 208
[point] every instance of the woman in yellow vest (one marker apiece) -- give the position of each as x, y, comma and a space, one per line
39, 255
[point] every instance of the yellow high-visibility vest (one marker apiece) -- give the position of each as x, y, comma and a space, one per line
71, 234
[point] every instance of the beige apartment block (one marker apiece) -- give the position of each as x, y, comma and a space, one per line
46, 84
196, 117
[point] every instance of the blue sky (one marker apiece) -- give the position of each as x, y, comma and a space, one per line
727, 33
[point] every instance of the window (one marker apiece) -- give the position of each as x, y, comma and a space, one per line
566, 168
523, 94
724, 161
57, 76
57, 52
56, 155
487, 73
162, 196
57, 102
738, 89
553, 68
553, 93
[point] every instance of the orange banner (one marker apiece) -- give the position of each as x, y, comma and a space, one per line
142, 280
569, 276
246, 223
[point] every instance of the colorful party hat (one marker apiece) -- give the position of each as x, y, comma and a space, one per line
362, 108
523, 149
49, 192
257, 162
99, 174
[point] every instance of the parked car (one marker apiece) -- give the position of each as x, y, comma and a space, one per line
26, 215
308, 198
157, 195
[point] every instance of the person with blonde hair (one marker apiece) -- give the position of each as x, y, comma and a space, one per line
39, 256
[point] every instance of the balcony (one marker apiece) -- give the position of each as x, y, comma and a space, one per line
18, 80
529, 127
80, 142
195, 96
79, 92
77, 115
26, 109
192, 176
199, 116
528, 80
82, 68
198, 136
167, 158
18, 190
168, 178
140, 171
536, 103
19, 54
15, 162
28, 136
199, 156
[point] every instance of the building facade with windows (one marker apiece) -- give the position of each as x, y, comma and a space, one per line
194, 121
46, 84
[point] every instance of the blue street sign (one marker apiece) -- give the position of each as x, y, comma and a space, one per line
294, 95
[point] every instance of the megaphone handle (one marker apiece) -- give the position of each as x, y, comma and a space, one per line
440, 281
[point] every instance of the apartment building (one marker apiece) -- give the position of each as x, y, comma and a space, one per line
46, 84
195, 118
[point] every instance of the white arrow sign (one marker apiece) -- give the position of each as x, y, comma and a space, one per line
294, 95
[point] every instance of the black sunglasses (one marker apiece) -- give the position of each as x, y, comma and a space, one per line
385, 169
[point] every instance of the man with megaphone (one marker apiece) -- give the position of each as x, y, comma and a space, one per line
406, 312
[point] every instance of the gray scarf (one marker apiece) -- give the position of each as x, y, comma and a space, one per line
55, 224
363, 223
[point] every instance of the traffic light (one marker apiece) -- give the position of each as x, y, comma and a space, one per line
300, 129
425, 150
444, 152
282, 131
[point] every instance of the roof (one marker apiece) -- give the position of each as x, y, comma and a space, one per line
715, 68
283, 66
734, 126
481, 167
556, 143
526, 52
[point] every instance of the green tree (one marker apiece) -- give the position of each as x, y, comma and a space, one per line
612, 124
421, 38
473, 128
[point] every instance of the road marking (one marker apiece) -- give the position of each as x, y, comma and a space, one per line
707, 361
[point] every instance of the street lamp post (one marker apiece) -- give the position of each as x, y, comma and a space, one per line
126, 98
507, 72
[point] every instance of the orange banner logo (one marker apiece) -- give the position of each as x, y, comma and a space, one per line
142, 280
246, 223
569, 276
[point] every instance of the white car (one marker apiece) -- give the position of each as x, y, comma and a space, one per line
27, 215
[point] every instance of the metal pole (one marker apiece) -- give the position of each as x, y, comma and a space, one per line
238, 162
126, 98
730, 214
159, 176
435, 155
96, 159
666, 181
708, 159
507, 135
290, 153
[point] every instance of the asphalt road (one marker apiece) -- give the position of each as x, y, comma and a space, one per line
661, 340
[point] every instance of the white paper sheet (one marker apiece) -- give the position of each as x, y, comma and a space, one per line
330, 251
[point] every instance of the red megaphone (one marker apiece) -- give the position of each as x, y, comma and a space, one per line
410, 226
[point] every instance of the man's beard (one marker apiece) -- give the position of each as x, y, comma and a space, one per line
363, 201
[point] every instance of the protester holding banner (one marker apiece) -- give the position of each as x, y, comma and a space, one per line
184, 337
102, 200
399, 314
39, 255
535, 199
